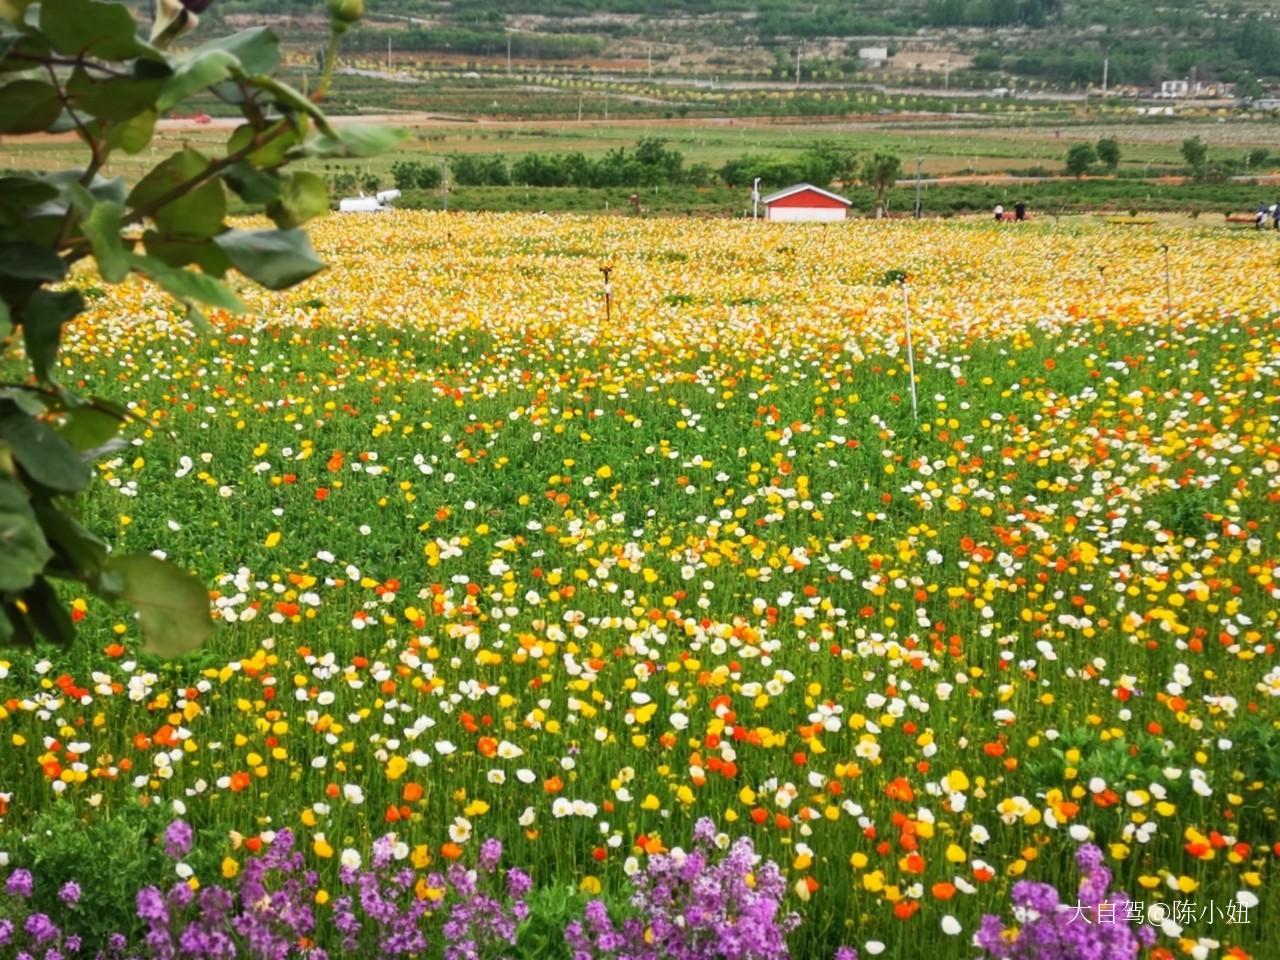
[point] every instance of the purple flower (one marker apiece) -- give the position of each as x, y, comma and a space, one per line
846, 953
69, 893
40, 928
20, 884
177, 839
694, 907
490, 855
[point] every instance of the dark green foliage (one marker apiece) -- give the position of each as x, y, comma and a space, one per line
1108, 150
1196, 153
106, 83
1080, 157
64, 845
415, 175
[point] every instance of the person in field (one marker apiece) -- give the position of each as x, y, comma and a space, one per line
1020, 211
999, 212
1260, 218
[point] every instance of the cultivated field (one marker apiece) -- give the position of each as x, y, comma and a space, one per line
490, 564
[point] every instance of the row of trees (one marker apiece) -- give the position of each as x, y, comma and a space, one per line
650, 163
991, 13
1082, 158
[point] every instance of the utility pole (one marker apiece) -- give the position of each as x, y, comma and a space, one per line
799, 53
755, 200
1106, 64
388, 52
919, 161
508, 53
650, 61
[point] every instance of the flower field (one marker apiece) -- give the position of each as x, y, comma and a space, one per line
487, 564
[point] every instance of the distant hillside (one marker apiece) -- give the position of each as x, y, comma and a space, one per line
1057, 43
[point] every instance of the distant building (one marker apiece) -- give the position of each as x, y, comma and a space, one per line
1185, 89
805, 202
874, 56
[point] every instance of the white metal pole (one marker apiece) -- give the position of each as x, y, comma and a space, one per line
755, 200
911, 353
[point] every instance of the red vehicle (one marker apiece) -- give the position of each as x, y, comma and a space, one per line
195, 117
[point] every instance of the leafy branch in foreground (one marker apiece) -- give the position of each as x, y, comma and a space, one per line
81, 66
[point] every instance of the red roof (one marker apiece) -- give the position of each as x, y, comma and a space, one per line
806, 195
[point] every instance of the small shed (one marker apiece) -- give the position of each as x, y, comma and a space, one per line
805, 202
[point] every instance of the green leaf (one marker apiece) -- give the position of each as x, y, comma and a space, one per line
303, 196
173, 606
75, 549
257, 49
180, 253
355, 140
47, 614
26, 399
47, 458
42, 318
187, 285
6, 325
251, 184
274, 258
29, 106
88, 427
112, 98
23, 548
134, 134
105, 30
32, 47
30, 261
279, 140
291, 100
23, 192
100, 223
193, 213
196, 72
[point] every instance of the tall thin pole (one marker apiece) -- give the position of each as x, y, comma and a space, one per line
388, 51
444, 183
508, 53
911, 353
919, 161
755, 200
1106, 63
608, 295
651, 61
1168, 292
799, 52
